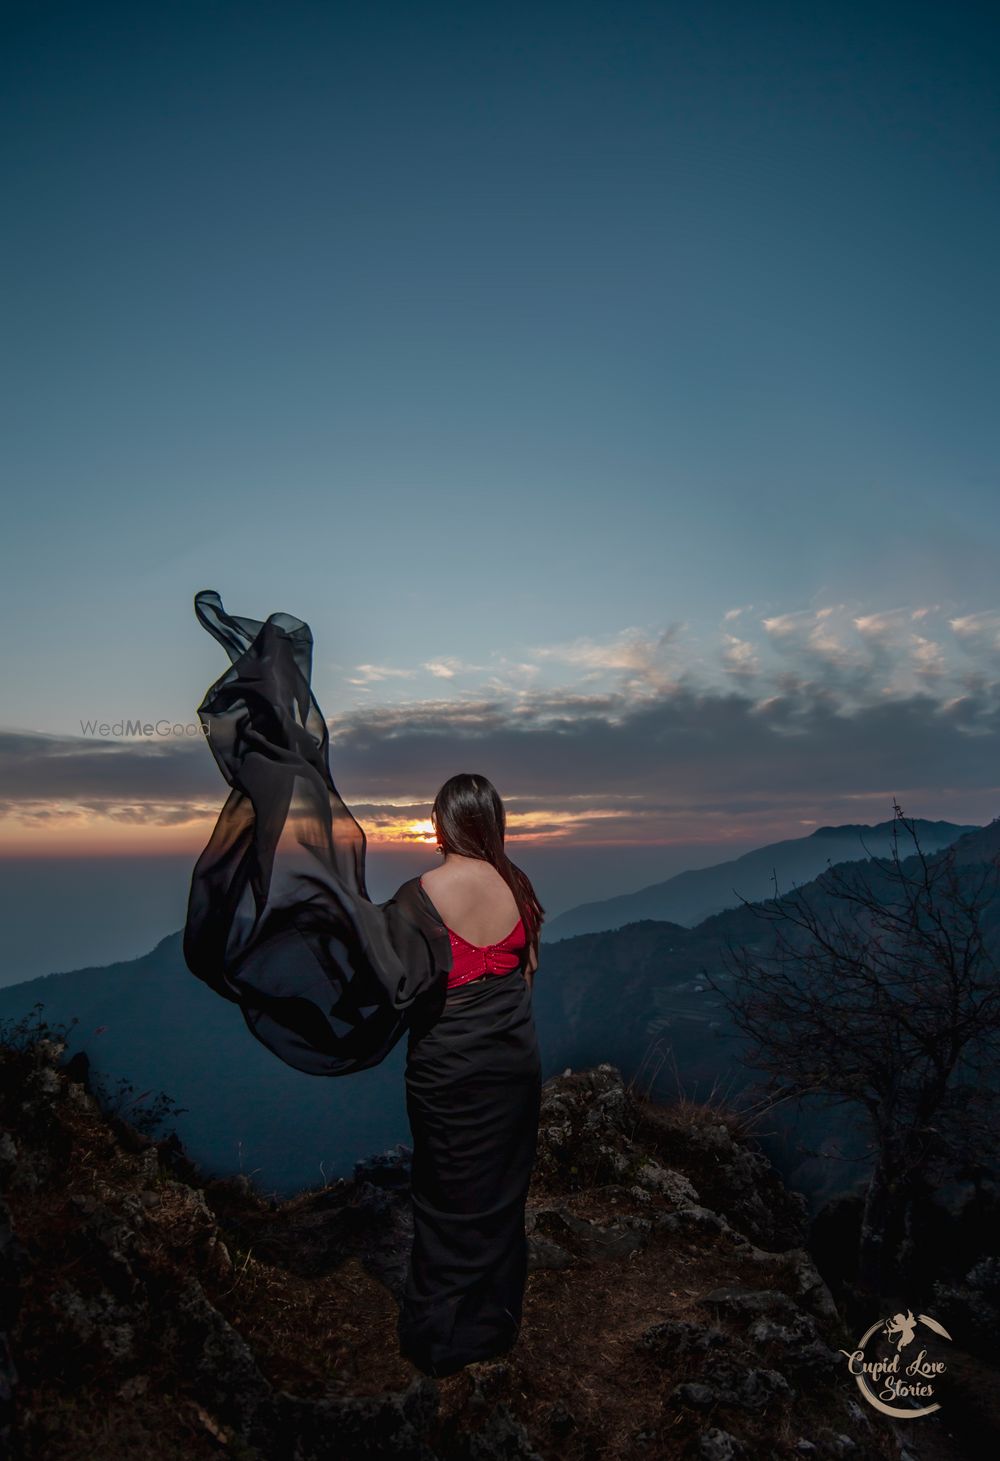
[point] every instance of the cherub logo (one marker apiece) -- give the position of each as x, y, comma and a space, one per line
907, 1382
904, 1325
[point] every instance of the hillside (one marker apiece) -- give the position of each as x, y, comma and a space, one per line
637, 996
691, 896
672, 1309
634, 996
150, 1020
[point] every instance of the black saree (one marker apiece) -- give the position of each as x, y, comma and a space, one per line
279, 922
473, 1089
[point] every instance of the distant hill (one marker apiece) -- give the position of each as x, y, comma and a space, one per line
165, 1030
690, 897
636, 996
633, 996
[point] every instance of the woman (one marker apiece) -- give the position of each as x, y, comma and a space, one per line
473, 1085
279, 921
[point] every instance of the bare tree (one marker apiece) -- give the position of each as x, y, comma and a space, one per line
885, 997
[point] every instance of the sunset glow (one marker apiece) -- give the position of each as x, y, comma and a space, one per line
420, 832
65, 828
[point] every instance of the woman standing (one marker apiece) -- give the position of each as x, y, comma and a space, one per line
279, 921
473, 1087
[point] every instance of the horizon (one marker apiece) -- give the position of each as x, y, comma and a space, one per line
117, 908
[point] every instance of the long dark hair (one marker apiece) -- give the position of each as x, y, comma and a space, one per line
470, 819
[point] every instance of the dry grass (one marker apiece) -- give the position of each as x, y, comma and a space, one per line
335, 1332
316, 1336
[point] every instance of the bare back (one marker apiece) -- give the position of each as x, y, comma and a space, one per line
473, 900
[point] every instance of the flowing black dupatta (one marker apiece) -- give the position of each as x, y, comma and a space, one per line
279, 919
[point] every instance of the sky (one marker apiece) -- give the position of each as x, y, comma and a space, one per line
611, 387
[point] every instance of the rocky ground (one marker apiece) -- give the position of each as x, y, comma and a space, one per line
672, 1309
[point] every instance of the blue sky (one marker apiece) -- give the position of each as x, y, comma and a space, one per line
611, 387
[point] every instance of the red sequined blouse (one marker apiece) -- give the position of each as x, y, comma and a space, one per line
470, 961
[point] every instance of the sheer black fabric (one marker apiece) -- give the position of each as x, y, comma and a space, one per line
279, 919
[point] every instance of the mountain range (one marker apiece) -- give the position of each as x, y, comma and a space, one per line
690, 897
631, 995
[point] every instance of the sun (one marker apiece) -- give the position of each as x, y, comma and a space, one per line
419, 831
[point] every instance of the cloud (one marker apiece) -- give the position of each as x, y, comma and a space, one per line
822, 709
929, 660
35, 767
811, 634
641, 663
979, 634
81, 813
739, 656
367, 674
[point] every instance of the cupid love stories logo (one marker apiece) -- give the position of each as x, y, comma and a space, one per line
905, 1378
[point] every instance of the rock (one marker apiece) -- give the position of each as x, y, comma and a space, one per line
973, 1306
716, 1445
43, 1085
544, 1253
361, 1428
810, 1285
502, 1438
691, 1219
14, 1259
671, 1337
742, 1184
748, 1389
96, 1318
859, 1416
109, 1241
834, 1443
585, 1125
693, 1393
386, 1239
218, 1357
590, 1240
77, 1095
50, 1048
148, 1165
667, 1183
77, 1070
237, 1184
390, 1169
560, 1419
750, 1302
802, 1349
488, 1379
